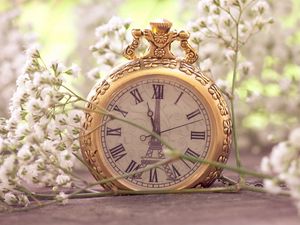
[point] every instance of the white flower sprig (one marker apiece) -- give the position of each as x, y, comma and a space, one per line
284, 164
13, 43
37, 141
214, 32
90, 14
112, 40
267, 65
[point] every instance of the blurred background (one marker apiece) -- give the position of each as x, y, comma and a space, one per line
268, 104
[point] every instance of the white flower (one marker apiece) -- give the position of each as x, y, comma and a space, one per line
63, 180
23, 200
62, 197
253, 96
35, 105
33, 51
94, 74
24, 153
294, 137
204, 5
75, 70
10, 198
261, 7
229, 54
12, 57
206, 65
1, 144
22, 130
112, 38
246, 67
284, 164
271, 186
265, 165
279, 156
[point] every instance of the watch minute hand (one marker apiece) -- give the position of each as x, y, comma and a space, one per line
144, 137
181, 126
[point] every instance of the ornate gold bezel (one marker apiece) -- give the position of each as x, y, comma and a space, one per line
173, 69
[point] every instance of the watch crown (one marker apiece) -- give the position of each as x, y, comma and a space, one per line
160, 39
160, 26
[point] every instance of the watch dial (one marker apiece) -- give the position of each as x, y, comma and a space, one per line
172, 110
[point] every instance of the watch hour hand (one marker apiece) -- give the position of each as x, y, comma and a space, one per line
150, 114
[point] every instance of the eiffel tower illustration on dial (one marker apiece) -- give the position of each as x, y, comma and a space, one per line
155, 150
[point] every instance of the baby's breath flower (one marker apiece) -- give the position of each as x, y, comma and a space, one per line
261, 40
62, 197
10, 198
112, 39
73, 70
38, 131
271, 186
261, 7
294, 137
13, 44
23, 200
63, 180
246, 68
284, 164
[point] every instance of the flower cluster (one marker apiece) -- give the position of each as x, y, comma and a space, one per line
264, 51
284, 164
38, 141
112, 40
12, 57
215, 31
89, 16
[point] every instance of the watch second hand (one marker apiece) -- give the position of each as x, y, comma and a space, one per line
144, 137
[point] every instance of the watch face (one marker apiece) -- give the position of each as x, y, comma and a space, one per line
173, 110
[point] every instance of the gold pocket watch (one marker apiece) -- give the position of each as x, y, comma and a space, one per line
164, 94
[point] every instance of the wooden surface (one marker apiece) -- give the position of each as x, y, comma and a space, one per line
218, 208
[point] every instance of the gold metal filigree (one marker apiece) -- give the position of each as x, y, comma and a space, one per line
160, 39
159, 60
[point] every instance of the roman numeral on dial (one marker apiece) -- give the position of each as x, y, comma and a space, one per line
133, 165
189, 152
193, 114
137, 96
113, 132
158, 91
179, 97
124, 113
118, 152
153, 175
175, 171
197, 135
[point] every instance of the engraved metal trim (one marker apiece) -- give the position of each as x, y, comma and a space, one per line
219, 113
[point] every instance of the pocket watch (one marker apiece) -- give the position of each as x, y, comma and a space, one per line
166, 95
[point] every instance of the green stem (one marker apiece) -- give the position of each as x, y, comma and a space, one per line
226, 189
111, 179
262, 190
239, 170
234, 76
29, 193
34, 206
